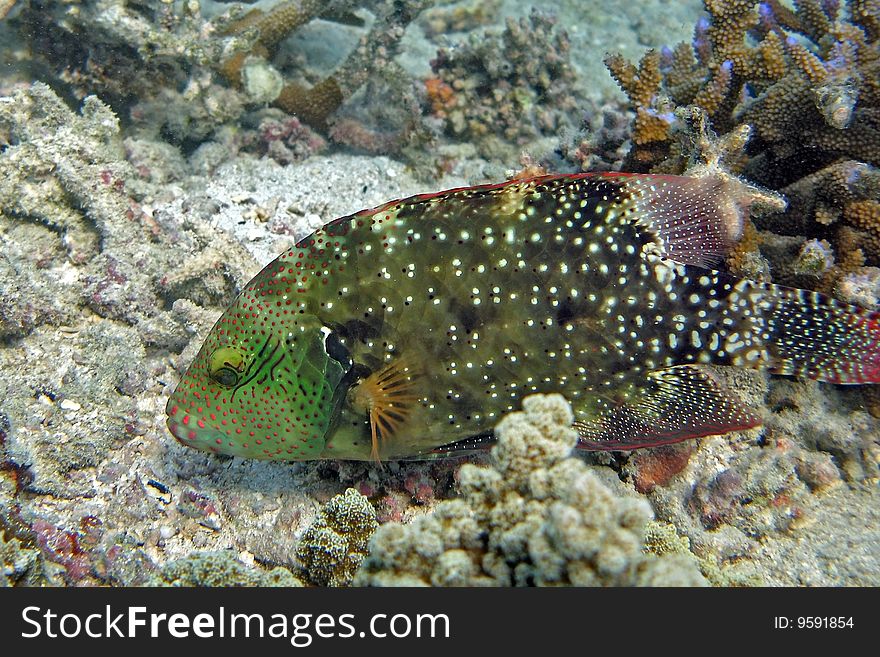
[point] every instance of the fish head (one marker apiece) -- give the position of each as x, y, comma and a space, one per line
268, 380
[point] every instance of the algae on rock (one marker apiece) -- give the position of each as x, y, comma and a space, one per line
220, 569
335, 544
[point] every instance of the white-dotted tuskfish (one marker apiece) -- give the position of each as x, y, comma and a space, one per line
410, 329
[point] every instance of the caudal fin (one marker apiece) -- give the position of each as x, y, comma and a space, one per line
814, 336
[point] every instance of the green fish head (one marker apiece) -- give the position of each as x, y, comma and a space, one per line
263, 385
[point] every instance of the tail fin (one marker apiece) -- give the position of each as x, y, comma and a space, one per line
815, 336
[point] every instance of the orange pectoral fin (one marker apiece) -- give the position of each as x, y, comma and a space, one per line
389, 397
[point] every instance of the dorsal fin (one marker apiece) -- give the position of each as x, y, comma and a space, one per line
697, 221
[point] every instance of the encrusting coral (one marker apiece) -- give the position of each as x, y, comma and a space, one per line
333, 547
534, 516
212, 569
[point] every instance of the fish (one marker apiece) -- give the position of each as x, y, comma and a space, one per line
408, 330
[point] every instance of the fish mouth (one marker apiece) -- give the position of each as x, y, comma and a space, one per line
179, 424
205, 439
183, 434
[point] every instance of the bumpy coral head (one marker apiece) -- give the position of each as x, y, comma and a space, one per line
263, 384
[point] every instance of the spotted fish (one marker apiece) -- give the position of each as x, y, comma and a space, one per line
408, 330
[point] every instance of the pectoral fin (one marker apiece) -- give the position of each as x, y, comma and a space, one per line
389, 397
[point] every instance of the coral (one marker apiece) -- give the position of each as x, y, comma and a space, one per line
861, 287
864, 214
815, 258
335, 544
745, 258
817, 90
5, 7
503, 91
838, 427
190, 115
210, 569
121, 52
460, 18
600, 144
66, 172
315, 104
185, 78
535, 516
653, 113
718, 500
805, 81
83, 265
662, 539
285, 138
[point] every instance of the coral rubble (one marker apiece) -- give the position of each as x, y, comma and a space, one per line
180, 75
503, 91
535, 516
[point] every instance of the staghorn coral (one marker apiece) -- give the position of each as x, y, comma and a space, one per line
316, 104
5, 7
335, 544
535, 516
805, 80
504, 91
802, 80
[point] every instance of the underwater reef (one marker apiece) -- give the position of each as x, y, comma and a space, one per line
534, 516
187, 75
504, 91
154, 155
804, 79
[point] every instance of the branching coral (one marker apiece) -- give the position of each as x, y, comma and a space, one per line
5, 7
536, 516
806, 81
314, 105
801, 74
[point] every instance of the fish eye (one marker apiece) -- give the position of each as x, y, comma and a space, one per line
225, 367
226, 377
